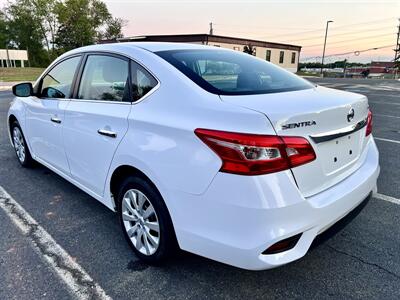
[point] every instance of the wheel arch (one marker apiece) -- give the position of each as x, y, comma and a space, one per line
122, 172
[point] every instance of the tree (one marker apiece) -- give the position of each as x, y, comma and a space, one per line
24, 31
3, 31
47, 28
83, 22
249, 49
113, 29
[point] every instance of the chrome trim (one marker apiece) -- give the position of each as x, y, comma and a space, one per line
107, 133
334, 134
55, 120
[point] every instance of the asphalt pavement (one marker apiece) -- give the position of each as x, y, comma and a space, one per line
361, 261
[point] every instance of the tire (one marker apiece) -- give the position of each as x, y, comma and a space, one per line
20, 146
140, 227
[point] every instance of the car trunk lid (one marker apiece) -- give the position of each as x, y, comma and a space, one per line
333, 121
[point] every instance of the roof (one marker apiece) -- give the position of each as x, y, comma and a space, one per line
204, 38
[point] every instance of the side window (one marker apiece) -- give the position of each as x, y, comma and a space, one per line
142, 81
104, 78
57, 83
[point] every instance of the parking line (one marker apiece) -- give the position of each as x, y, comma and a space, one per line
386, 140
387, 198
71, 273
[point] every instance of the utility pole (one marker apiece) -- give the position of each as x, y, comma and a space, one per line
396, 60
211, 28
323, 53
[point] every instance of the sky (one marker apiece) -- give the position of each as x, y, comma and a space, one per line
358, 24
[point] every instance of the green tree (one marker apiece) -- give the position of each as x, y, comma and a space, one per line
24, 31
3, 31
83, 22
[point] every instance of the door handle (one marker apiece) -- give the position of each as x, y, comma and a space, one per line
55, 120
107, 133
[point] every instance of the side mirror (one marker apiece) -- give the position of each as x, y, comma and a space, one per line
23, 89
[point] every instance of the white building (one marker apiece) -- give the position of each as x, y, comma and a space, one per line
9, 57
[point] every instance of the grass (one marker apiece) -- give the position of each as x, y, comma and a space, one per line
20, 74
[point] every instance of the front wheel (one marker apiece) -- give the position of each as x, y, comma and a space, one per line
20, 146
145, 220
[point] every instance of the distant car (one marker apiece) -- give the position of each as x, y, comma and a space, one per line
210, 150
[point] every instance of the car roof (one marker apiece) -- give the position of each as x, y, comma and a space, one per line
149, 46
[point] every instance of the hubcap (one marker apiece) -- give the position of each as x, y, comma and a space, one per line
19, 144
140, 221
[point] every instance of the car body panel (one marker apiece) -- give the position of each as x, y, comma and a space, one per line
326, 111
45, 136
89, 153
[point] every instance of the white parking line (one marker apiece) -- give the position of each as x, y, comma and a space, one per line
71, 273
387, 198
386, 140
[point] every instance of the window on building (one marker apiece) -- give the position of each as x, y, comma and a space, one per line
268, 55
236, 48
293, 57
281, 56
217, 46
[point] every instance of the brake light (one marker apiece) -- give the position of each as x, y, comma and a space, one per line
369, 123
253, 154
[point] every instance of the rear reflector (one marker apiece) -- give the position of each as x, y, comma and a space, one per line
283, 245
369, 123
253, 154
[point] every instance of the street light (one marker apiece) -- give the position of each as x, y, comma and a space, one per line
323, 53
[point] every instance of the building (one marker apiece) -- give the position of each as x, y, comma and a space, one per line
375, 69
284, 55
10, 57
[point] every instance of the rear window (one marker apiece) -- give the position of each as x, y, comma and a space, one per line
232, 73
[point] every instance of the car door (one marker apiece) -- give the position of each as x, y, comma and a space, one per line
96, 119
45, 113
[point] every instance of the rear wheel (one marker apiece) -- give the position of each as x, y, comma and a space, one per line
20, 146
145, 220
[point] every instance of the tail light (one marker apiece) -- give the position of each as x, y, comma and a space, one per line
369, 124
253, 154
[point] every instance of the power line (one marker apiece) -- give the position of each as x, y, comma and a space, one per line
349, 53
346, 41
341, 34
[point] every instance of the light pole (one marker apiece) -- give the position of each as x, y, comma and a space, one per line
323, 53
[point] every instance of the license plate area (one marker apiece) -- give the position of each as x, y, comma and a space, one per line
339, 154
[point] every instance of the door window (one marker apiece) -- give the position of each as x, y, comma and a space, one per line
57, 83
104, 78
142, 81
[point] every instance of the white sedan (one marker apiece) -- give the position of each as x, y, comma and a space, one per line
209, 150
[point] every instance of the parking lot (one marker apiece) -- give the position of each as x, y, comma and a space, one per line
361, 261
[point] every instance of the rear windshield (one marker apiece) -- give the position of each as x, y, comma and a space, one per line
233, 73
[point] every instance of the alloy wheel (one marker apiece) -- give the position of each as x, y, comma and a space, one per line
140, 222
19, 144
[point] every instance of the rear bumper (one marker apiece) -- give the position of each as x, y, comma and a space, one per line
239, 217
